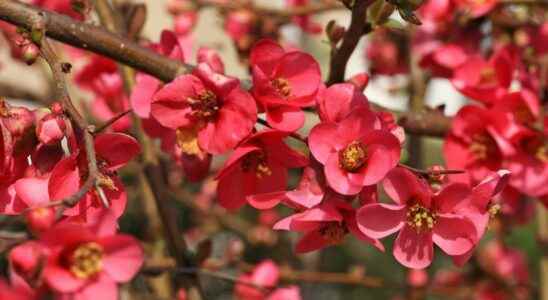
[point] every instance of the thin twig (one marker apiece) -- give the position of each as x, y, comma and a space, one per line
112, 121
431, 172
80, 123
294, 135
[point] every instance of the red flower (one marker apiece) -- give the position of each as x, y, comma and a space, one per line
113, 151
87, 262
146, 85
324, 225
336, 102
283, 83
486, 81
303, 21
208, 108
258, 166
421, 217
475, 143
355, 152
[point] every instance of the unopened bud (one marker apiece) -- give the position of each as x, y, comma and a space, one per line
41, 219
50, 129
18, 120
30, 53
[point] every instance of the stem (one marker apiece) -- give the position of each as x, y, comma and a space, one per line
111, 121
340, 56
79, 122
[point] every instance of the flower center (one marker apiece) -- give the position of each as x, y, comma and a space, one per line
256, 162
353, 156
87, 260
420, 218
334, 232
488, 75
282, 87
482, 146
205, 106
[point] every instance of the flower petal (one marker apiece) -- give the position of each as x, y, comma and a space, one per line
412, 249
379, 220
455, 235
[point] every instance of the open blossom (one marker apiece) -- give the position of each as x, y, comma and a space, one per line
355, 152
337, 101
283, 83
486, 81
304, 21
267, 275
421, 217
258, 166
146, 85
475, 143
326, 224
88, 262
113, 151
209, 110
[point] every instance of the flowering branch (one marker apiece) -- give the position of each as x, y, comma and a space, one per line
59, 69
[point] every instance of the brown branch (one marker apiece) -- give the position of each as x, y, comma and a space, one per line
112, 121
340, 56
93, 38
154, 175
58, 71
428, 123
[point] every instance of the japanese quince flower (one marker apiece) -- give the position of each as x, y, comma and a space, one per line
355, 152
257, 166
475, 142
209, 110
146, 85
477, 207
86, 262
16, 290
266, 274
423, 218
283, 83
323, 225
486, 81
113, 151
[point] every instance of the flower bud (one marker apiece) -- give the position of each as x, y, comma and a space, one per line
417, 278
30, 53
50, 129
360, 81
57, 108
26, 259
41, 219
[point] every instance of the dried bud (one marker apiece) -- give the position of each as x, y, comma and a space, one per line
334, 32
30, 53
18, 120
41, 219
50, 129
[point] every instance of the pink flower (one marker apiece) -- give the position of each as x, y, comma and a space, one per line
50, 129
423, 218
486, 81
336, 102
258, 166
475, 143
113, 151
283, 83
384, 53
86, 262
324, 225
146, 85
355, 152
16, 291
507, 264
266, 275
477, 207
210, 109
443, 60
